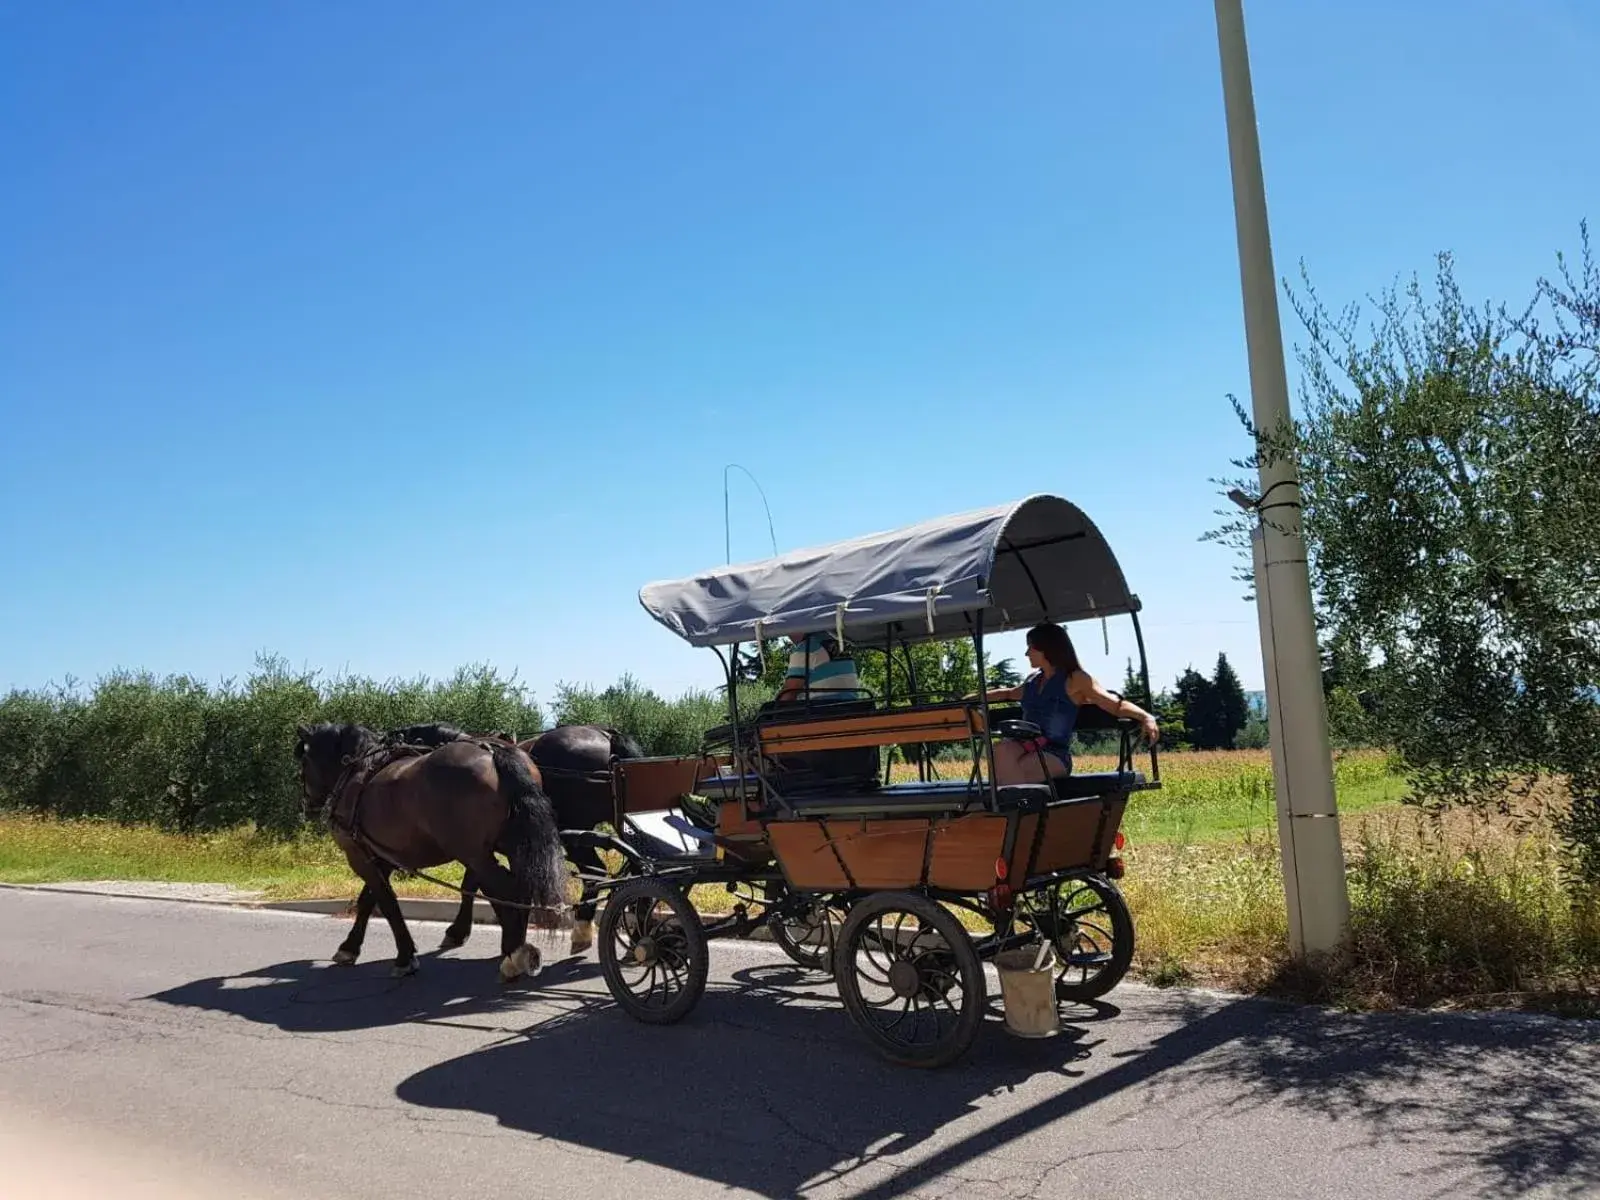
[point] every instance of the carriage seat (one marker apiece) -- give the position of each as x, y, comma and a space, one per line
804, 772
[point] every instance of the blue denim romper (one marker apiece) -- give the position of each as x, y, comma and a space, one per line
1045, 703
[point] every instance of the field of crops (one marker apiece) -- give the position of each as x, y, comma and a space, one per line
1210, 794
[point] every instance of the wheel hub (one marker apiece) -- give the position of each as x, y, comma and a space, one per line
644, 951
904, 980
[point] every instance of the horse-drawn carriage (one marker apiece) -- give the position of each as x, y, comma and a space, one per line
901, 889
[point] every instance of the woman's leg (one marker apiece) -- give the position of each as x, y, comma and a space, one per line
1015, 763
1018, 763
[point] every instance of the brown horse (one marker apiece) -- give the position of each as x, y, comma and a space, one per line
414, 807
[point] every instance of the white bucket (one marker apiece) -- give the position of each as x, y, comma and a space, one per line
1028, 989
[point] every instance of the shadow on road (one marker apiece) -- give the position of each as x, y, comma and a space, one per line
767, 1087
308, 996
1512, 1103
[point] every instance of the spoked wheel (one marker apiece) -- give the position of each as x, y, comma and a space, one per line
1092, 930
809, 936
910, 979
653, 951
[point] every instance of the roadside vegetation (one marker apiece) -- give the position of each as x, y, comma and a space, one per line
1452, 515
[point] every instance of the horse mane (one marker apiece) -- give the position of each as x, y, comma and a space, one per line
435, 733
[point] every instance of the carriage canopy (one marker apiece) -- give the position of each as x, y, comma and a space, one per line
1038, 559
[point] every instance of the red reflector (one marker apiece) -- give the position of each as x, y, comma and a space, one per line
1000, 868
1120, 841
1115, 868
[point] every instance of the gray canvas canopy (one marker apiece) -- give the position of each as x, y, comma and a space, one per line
1039, 559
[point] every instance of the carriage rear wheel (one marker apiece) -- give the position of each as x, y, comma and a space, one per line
809, 935
653, 951
1089, 923
910, 979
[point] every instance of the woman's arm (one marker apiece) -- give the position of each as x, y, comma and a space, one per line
1083, 689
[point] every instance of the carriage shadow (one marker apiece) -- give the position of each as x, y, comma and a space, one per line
767, 1086
313, 996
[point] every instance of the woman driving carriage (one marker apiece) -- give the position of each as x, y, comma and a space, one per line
1050, 698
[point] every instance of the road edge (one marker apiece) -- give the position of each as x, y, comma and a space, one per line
414, 908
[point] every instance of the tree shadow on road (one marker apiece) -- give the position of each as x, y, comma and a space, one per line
1511, 1102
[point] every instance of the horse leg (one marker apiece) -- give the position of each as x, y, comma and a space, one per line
405, 961
587, 860
350, 949
461, 928
517, 958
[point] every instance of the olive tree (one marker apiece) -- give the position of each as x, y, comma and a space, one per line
1450, 467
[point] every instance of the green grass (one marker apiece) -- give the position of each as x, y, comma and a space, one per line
1205, 797
40, 850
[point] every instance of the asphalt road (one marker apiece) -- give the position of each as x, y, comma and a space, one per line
218, 1046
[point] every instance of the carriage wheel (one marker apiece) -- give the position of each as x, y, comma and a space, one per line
910, 979
653, 951
1089, 922
809, 937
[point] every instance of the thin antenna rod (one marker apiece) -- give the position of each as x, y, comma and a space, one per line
727, 540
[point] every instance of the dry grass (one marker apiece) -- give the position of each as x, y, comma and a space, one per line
1468, 911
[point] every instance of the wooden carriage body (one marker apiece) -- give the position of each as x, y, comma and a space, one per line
849, 832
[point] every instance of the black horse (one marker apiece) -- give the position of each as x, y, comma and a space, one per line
399, 804
574, 769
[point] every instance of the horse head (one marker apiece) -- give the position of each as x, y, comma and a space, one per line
323, 751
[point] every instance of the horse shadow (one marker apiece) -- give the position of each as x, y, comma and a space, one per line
314, 996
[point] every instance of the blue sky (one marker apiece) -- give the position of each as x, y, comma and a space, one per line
394, 337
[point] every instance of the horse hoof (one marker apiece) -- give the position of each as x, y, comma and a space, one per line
401, 970
524, 960
452, 942
345, 958
582, 937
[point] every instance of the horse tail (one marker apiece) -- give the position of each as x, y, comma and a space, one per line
532, 842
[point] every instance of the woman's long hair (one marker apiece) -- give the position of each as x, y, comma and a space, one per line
1052, 641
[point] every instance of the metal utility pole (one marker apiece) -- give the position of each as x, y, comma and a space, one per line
1302, 760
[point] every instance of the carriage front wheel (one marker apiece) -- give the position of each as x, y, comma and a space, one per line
910, 979
653, 951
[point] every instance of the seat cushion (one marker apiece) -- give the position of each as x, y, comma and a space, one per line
1096, 783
